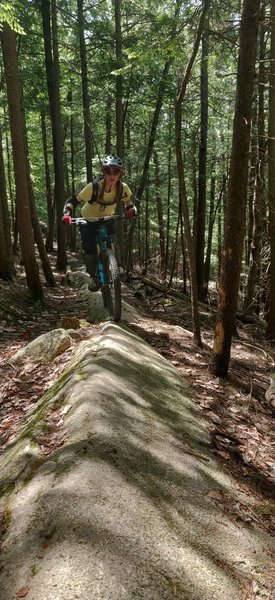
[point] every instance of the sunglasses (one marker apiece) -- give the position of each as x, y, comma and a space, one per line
111, 170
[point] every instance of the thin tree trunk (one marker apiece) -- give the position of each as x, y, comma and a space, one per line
237, 191
53, 83
201, 215
50, 202
34, 218
167, 249
210, 232
85, 93
195, 188
147, 231
173, 263
120, 126
181, 177
259, 196
72, 158
20, 161
161, 90
11, 196
160, 219
108, 124
119, 82
271, 180
7, 269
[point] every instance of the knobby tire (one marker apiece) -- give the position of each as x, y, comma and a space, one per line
111, 291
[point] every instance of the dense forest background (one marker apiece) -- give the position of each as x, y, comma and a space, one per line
184, 92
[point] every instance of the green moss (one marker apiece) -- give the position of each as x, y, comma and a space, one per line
34, 570
8, 517
7, 488
266, 509
6, 521
82, 374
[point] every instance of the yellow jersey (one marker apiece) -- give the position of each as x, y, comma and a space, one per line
100, 209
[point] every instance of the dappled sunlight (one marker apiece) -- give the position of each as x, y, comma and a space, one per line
133, 498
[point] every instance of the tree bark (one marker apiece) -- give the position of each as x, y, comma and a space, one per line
201, 215
7, 269
49, 196
108, 124
168, 213
53, 83
160, 219
181, 178
85, 93
237, 191
210, 232
20, 162
271, 180
119, 82
34, 217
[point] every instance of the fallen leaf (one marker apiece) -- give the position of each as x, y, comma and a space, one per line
22, 592
224, 455
215, 495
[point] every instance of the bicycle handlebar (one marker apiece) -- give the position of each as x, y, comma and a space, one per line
83, 221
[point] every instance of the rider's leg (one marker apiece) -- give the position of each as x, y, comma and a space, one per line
88, 233
90, 263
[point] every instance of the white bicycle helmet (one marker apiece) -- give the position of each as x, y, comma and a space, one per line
112, 160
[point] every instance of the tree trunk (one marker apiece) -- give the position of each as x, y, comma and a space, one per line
85, 93
34, 218
210, 232
181, 178
161, 90
20, 162
147, 231
120, 124
200, 242
237, 190
11, 197
259, 208
7, 269
173, 261
160, 219
53, 83
50, 201
108, 124
271, 180
119, 82
72, 240
168, 213
195, 188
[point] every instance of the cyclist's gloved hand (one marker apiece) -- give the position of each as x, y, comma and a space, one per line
67, 219
130, 212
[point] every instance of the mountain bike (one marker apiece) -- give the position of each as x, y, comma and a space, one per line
107, 271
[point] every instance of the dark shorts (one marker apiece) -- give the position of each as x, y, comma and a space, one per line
88, 234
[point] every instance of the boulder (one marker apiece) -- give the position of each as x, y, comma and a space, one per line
44, 348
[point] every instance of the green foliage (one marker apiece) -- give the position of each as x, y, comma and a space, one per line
146, 46
8, 14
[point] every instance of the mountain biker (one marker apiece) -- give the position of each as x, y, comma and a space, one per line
100, 198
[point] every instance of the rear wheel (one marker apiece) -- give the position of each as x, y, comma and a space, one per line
111, 289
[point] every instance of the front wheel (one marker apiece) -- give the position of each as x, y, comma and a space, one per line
111, 288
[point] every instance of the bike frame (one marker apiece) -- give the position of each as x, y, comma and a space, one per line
107, 265
103, 237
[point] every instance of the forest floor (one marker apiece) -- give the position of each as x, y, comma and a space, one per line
241, 421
